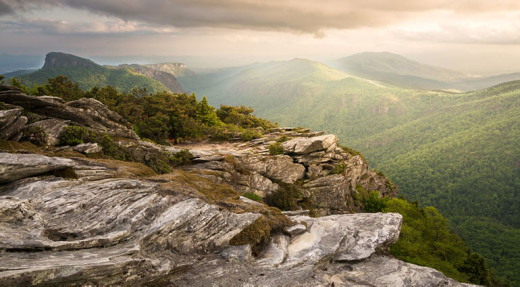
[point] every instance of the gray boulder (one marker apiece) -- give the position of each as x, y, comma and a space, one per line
280, 168
17, 166
14, 128
86, 112
349, 237
53, 128
87, 148
8, 117
312, 144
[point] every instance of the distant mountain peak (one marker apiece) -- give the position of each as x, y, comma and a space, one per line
63, 60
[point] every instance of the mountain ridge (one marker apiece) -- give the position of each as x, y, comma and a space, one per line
89, 74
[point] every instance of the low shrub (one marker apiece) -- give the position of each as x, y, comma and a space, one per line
374, 202
286, 198
276, 148
181, 158
249, 134
74, 135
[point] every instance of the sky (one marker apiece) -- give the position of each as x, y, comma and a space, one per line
475, 36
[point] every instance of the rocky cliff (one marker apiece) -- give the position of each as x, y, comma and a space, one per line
68, 217
62, 60
166, 78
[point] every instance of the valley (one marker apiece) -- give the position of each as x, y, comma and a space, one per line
458, 151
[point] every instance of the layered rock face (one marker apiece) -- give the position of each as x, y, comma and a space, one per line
328, 179
54, 115
108, 230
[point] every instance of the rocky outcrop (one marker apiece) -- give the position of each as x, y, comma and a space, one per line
17, 166
176, 69
301, 145
113, 230
62, 60
168, 79
329, 179
52, 128
86, 112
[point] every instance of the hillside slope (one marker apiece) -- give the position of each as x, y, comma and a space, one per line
89, 74
457, 151
397, 70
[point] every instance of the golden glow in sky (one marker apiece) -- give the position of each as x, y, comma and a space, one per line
467, 35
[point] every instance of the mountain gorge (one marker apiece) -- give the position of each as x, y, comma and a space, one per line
85, 201
454, 150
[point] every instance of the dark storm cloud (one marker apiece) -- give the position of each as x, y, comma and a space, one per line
5, 9
307, 16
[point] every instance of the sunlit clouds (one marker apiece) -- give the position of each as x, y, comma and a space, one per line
257, 30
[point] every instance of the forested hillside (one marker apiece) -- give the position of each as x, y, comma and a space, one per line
456, 151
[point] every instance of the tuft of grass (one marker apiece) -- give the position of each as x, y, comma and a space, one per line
253, 196
339, 168
276, 148
256, 234
282, 139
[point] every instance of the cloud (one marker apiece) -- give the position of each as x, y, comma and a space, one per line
493, 28
5, 9
54, 27
302, 16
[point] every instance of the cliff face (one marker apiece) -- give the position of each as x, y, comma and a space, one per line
66, 219
168, 79
62, 60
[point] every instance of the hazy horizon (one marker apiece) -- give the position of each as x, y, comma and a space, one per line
473, 36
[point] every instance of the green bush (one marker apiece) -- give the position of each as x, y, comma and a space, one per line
111, 148
35, 134
74, 135
286, 197
249, 134
181, 158
276, 148
374, 202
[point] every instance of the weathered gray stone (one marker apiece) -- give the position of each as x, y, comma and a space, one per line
281, 168
15, 128
17, 166
86, 111
87, 148
215, 157
275, 253
295, 229
309, 145
197, 225
329, 193
239, 253
390, 272
114, 230
129, 232
8, 117
347, 237
53, 128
